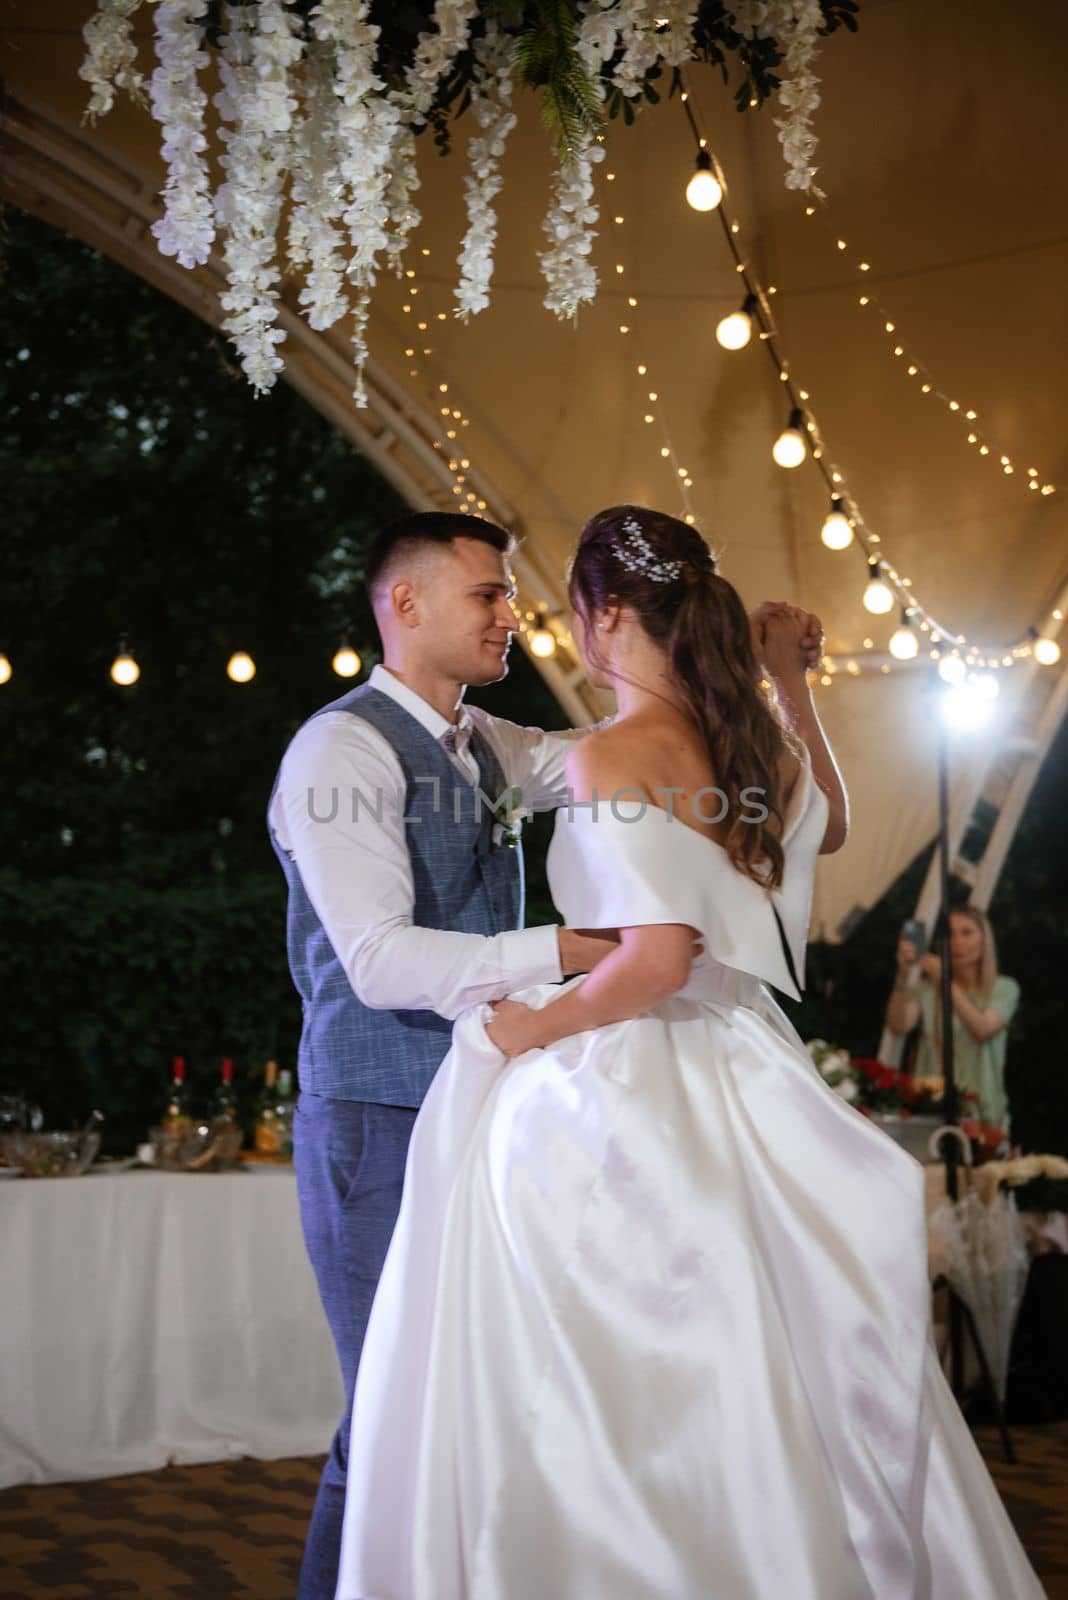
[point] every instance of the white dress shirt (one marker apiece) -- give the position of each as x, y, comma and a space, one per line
358, 873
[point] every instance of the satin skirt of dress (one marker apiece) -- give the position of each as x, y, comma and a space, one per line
655, 1323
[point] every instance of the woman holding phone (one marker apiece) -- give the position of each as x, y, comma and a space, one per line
984, 1002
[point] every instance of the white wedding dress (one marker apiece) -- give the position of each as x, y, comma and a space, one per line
654, 1321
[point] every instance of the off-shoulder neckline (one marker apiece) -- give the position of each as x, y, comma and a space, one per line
794, 812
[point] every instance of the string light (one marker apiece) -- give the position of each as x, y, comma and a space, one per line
541, 640
683, 479
904, 644
241, 668
704, 192
836, 533
952, 670
791, 447
124, 669
1047, 652
917, 369
5, 670
346, 662
877, 597
734, 332
890, 583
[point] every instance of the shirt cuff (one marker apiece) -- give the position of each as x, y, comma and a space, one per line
530, 956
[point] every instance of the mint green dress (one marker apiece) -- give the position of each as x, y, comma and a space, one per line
979, 1068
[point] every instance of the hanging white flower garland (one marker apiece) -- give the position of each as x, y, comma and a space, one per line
317, 110
566, 265
314, 238
795, 25
491, 102
638, 21
187, 227
111, 56
256, 104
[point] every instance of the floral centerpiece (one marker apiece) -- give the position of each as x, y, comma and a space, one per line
320, 104
881, 1092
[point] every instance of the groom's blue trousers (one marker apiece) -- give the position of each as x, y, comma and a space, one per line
349, 1157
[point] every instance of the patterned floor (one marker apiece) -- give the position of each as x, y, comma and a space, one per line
235, 1530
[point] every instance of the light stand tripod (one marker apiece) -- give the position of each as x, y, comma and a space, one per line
959, 1313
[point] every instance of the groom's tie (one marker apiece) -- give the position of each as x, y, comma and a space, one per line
456, 743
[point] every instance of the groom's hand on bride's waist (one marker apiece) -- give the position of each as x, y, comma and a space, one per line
582, 948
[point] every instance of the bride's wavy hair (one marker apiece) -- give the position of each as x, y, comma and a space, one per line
664, 571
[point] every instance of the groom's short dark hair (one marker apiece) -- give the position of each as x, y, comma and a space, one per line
403, 537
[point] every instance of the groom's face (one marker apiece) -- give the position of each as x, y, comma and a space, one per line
467, 612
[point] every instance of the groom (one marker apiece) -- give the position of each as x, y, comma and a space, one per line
405, 906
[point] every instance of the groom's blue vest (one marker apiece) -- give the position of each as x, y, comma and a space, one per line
347, 1050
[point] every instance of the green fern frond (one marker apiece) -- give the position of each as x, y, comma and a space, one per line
547, 58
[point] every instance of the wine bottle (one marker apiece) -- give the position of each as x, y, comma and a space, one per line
224, 1101
284, 1112
267, 1135
176, 1116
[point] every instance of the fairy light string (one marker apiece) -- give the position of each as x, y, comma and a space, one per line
941, 640
916, 369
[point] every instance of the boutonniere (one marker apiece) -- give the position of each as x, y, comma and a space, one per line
511, 814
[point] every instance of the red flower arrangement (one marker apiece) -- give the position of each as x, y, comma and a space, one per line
882, 1089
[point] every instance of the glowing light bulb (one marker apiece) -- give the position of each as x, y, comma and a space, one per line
1046, 652
791, 447
704, 191
951, 669
877, 597
124, 669
735, 331
904, 645
5, 670
346, 663
836, 532
542, 642
240, 668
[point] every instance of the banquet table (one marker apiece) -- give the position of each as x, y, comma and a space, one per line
151, 1317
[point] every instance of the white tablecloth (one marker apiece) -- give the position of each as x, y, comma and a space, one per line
148, 1318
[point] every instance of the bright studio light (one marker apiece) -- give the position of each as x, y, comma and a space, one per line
124, 669
346, 663
951, 669
904, 645
836, 532
1047, 652
5, 670
704, 190
791, 447
965, 706
735, 331
986, 684
240, 668
877, 597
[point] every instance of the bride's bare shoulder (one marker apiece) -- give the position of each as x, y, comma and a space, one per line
604, 761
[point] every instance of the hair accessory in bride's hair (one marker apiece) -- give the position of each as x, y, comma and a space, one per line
637, 555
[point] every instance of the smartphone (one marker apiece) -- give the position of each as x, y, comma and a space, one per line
916, 932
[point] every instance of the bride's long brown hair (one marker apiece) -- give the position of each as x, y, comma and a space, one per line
696, 616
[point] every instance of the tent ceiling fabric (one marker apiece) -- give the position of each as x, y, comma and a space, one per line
943, 152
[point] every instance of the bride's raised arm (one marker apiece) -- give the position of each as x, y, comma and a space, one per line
651, 962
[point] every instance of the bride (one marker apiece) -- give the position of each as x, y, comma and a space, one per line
654, 1321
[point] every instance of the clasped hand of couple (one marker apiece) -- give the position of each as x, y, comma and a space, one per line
788, 642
